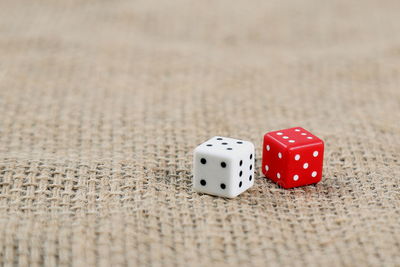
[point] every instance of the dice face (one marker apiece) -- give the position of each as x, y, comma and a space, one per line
292, 157
223, 167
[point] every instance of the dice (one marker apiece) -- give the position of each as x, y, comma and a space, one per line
292, 157
223, 167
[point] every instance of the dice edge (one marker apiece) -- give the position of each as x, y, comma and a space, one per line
281, 183
230, 193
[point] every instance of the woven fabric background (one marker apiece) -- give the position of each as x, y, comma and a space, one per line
103, 102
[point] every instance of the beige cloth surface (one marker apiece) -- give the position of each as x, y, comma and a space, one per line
102, 103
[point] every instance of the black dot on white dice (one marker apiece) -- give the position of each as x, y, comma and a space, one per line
223, 167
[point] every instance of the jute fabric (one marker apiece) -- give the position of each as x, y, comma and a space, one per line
103, 102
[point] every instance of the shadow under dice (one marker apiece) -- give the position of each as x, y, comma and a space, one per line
292, 157
223, 166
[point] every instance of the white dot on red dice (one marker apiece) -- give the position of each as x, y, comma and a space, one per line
266, 168
297, 155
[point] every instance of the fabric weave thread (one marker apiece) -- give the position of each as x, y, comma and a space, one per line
102, 103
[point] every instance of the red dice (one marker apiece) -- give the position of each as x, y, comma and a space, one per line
292, 157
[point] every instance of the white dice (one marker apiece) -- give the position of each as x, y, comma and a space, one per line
223, 167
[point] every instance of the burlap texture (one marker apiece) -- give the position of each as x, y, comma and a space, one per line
102, 103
